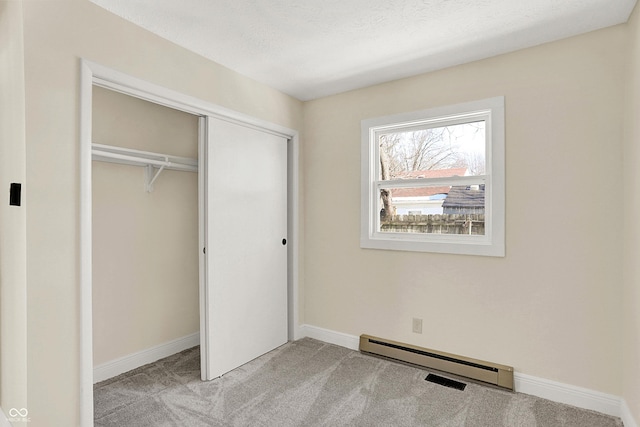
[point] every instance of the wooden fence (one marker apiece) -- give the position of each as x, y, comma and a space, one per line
435, 224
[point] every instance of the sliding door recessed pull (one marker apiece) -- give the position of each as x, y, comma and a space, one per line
284, 241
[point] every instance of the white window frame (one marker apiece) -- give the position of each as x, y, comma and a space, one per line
492, 243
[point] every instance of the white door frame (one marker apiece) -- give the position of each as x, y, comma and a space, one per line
93, 74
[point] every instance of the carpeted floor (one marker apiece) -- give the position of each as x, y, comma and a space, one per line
310, 383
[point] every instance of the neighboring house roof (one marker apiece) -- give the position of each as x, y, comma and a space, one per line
431, 173
426, 191
419, 192
463, 196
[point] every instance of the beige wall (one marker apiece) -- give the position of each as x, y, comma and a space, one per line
13, 236
145, 245
57, 35
551, 307
631, 165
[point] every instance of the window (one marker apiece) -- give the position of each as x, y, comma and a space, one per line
433, 180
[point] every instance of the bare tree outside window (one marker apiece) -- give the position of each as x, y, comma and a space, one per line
446, 147
411, 154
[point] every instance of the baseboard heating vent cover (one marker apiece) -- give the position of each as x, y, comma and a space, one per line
480, 370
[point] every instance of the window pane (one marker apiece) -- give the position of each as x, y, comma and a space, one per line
455, 150
433, 180
457, 209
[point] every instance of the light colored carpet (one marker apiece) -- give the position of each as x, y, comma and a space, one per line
311, 383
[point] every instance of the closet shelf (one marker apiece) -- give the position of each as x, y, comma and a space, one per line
129, 156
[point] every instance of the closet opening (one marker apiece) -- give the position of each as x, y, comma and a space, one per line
145, 255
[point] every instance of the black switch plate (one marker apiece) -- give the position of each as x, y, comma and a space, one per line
15, 194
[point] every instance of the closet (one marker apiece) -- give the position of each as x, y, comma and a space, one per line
145, 248
188, 230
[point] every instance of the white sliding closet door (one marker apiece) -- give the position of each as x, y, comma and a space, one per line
246, 254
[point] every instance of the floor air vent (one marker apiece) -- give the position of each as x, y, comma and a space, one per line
437, 379
488, 372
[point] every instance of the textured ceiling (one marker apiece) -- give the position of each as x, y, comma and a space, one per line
314, 48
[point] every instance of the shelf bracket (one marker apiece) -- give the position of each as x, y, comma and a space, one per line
150, 177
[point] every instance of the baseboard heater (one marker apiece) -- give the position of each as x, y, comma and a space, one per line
492, 373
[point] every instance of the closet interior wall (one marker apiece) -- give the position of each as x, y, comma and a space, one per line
145, 244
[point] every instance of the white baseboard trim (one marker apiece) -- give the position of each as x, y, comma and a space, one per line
135, 360
569, 394
332, 337
540, 387
625, 415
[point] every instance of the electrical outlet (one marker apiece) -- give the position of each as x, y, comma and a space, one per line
417, 325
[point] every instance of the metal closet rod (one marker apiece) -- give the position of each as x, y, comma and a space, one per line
111, 153
129, 156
